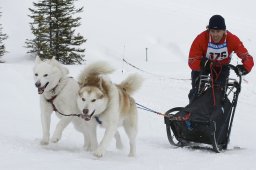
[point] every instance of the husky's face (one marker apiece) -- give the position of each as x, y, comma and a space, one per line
91, 101
46, 75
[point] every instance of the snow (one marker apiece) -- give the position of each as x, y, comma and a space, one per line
119, 30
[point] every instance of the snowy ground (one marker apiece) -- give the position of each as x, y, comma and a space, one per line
116, 30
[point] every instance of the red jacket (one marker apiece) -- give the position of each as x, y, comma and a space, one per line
200, 44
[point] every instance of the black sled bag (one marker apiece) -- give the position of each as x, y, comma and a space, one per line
204, 117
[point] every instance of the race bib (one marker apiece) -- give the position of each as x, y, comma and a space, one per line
217, 51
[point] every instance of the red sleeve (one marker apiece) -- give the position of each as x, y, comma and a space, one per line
197, 51
242, 53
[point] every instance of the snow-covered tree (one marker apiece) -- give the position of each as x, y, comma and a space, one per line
2, 38
53, 26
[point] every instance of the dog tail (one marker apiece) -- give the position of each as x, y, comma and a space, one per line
95, 69
132, 83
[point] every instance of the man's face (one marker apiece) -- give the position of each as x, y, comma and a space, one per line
216, 35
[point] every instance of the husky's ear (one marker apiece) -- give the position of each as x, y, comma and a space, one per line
38, 60
80, 84
63, 69
83, 83
101, 84
79, 93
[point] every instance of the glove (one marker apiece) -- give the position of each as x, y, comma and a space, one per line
205, 64
240, 70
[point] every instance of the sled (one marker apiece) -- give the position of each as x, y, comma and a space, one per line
185, 126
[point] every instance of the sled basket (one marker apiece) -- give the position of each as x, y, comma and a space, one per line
207, 123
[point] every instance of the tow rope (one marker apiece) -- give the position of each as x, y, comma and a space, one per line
169, 116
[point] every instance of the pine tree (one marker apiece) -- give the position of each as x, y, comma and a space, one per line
54, 29
2, 38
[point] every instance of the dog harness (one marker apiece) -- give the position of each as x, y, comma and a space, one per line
78, 115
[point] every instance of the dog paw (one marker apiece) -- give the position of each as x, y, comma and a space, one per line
87, 148
131, 154
55, 140
44, 142
98, 153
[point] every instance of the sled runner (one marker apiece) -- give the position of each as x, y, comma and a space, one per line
208, 118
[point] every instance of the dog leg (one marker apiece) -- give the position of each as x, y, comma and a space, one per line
64, 121
108, 136
119, 144
87, 143
45, 120
131, 133
93, 136
130, 127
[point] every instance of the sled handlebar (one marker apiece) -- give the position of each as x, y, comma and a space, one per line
232, 67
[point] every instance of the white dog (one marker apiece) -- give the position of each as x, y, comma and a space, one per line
58, 93
110, 104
